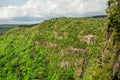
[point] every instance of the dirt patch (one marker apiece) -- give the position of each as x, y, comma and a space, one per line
75, 50
57, 36
43, 43
64, 63
89, 39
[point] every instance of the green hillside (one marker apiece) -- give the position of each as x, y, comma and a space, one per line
56, 49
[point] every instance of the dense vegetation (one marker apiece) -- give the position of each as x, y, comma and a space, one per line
64, 49
56, 49
113, 36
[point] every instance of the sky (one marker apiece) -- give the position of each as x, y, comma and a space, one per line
35, 11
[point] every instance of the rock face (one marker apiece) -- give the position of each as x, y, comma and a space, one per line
116, 66
89, 39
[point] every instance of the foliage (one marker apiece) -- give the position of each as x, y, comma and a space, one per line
112, 49
53, 50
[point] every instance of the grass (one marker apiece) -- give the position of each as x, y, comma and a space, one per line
54, 50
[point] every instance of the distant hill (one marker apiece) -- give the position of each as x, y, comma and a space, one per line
6, 27
99, 16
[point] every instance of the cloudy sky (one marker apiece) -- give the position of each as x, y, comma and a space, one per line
34, 11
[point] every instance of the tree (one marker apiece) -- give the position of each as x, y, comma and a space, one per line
113, 33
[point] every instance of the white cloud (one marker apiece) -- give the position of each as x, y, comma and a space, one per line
48, 8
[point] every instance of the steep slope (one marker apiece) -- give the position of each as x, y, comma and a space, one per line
56, 49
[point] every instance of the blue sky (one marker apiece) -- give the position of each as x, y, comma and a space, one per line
4, 3
35, 11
